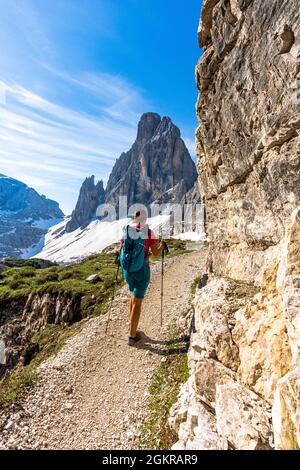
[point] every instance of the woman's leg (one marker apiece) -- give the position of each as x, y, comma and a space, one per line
135, 315
131, 305
137, 299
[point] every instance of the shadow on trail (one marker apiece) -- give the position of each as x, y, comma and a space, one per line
163, 347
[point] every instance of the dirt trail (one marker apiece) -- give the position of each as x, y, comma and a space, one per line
93, 394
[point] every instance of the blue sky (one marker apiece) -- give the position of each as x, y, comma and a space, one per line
77, 75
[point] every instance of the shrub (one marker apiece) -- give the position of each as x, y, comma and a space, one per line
9, 272
27, 272
54, 269
108, 283
76, 274
35, 263
47, 277
15, 283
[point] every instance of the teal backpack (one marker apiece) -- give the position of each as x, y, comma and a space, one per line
132, 257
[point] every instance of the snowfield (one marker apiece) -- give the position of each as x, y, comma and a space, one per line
72, 247
190, 236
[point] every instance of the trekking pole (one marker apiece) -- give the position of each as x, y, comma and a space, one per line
112, 299
165, 249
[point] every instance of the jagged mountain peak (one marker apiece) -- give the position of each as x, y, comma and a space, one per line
152, 126
89, 182
157, 168
8, 180
166, 128
22, 202
91, 195
157, 162
147, 126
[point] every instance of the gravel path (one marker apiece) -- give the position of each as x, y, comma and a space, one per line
93, 394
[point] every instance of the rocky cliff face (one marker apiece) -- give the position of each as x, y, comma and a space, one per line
244, 387
157, 168
248, 138
90, 197
25, 217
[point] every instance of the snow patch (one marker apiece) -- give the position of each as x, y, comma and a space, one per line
65, 247
190, 236
45, 224
155, 138
32, 250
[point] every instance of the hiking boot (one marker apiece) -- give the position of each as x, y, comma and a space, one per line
132, 340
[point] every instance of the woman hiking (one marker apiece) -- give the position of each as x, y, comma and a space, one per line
134, 260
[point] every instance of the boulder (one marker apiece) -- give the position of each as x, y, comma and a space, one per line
243, 418
208, 375
93, 278
286, 412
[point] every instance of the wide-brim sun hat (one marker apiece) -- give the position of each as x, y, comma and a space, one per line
140, 216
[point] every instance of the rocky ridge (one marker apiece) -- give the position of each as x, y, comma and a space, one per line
25, 217
90, 197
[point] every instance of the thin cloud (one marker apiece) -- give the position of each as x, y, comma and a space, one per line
55, 141
33, 27
191, 145
113, 94
46, 168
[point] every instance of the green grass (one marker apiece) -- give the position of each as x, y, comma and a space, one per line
13, 389
155, 433
20, 263
21, 279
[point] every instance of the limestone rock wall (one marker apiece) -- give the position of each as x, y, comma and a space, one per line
244, 385
248, 138
216, 408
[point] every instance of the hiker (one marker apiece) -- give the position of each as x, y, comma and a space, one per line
134, 259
